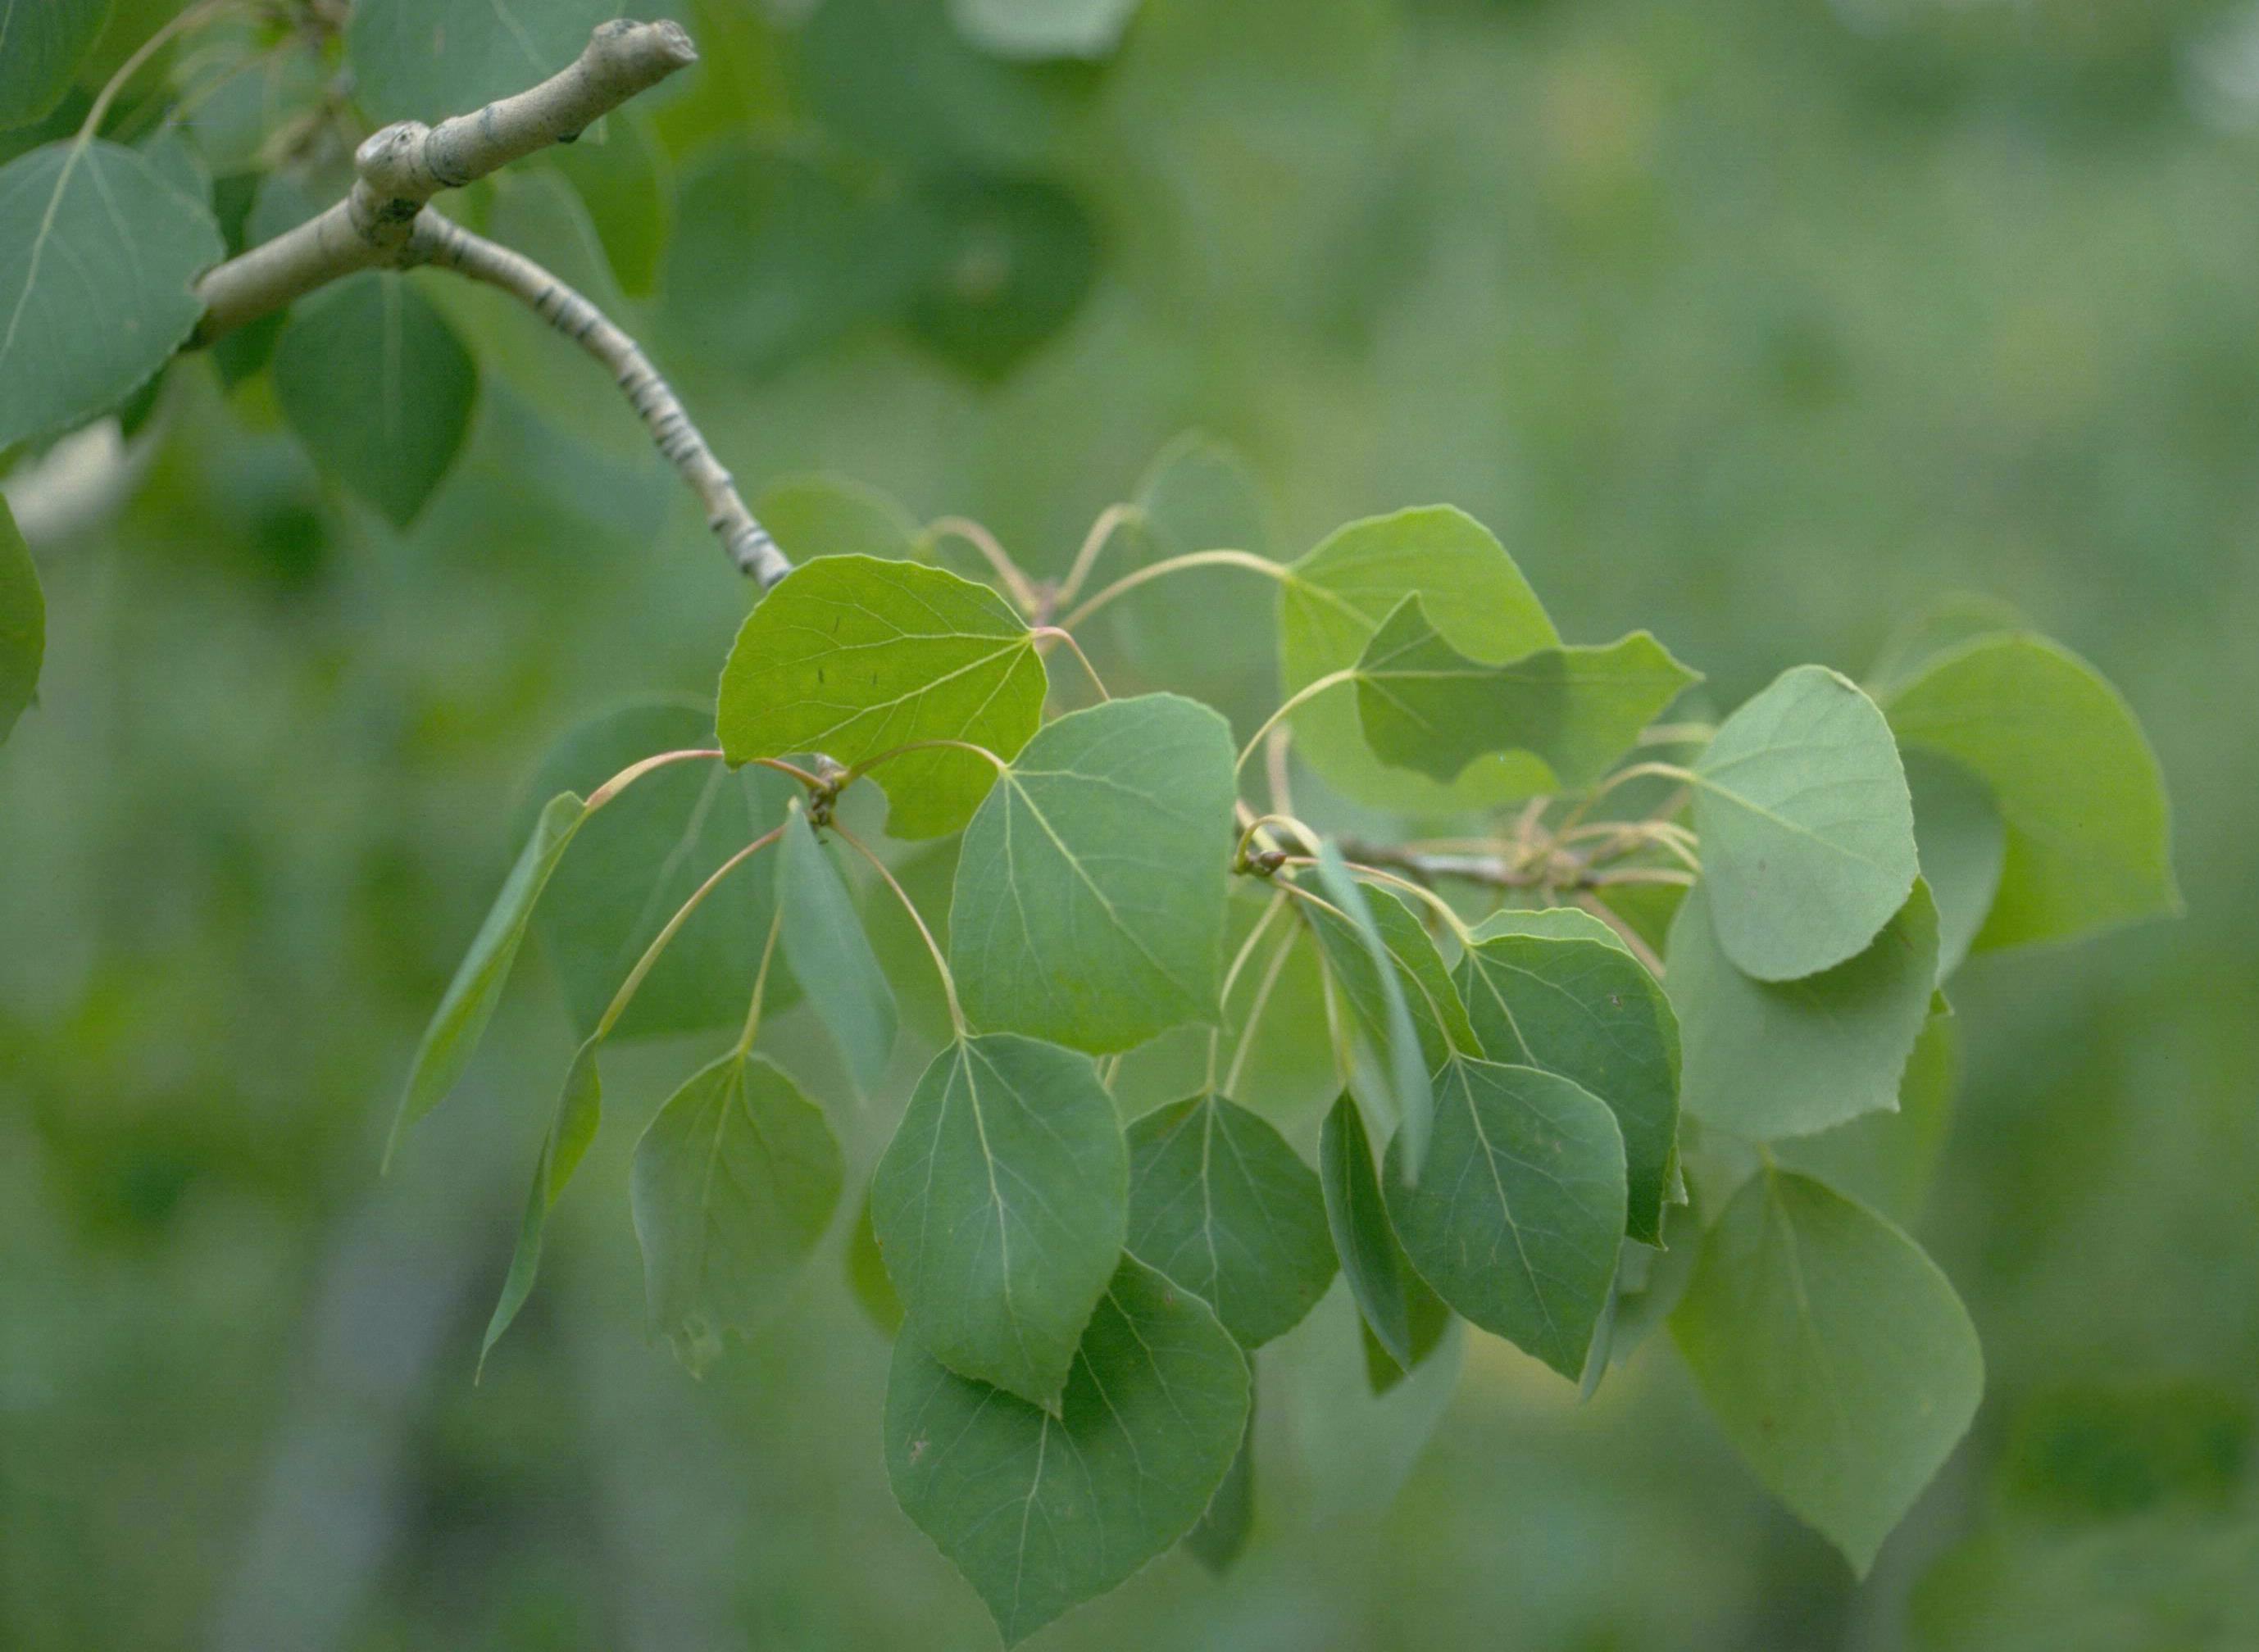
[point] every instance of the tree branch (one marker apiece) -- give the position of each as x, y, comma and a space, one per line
445, 244
407, 163
384, 223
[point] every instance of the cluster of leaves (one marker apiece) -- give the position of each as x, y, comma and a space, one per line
1540, 1129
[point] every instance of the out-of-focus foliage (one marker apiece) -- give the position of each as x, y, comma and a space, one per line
1758, 325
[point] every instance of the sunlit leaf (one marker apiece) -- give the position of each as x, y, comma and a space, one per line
470, 999
2088, 839
1426, 706
1587, 1010
41, 43
1221, 1204
1335, 598
1518, 1221
1001, 1206
423, 59
1042, 1510
1090, 905
98, 250
1401, 1316
822, 936
1767, 1058
1806, 829
22, 625
853, 656
379, 388
1835, 1355
734, 1182
637, 861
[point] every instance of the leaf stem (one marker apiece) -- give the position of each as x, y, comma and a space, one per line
1608, 916
1262, 991
1016, 584
622, 998
1232, 979
940, 963
1219, 559
1300, 697
635, 771
760, 986
1061, 634
1093, 544
1436, 902
870, 763
1637, 771
194, 16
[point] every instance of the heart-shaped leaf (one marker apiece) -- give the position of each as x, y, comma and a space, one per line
1807, 827
1089, 904
1001, 1206
1042, 1510
1221, 1204
854, 656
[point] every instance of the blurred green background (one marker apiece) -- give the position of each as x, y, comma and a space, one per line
1754, 324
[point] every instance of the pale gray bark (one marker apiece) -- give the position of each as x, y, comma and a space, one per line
385, 224
447, 245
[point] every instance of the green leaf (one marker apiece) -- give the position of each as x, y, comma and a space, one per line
1767, 1058
1562, 923
2089, 844
1834, 1352
98, 254
1590, 1011
1001, 1206
1403, 1319
1089, 904
1806, 829
1043, 1511
580, 1110
1212, 632
822, 935
853, 656
471, 997
22, 625
1428, 707
1395, 984
734, 1182
1333, 601
1887, 1160
1218, 1535
1043, 28
813, 516
1518, 1223
866, 1274
423, 59
1222, 1205
637, 861
1012, 261
42, 43
378, 388
776, 254
1963, 845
